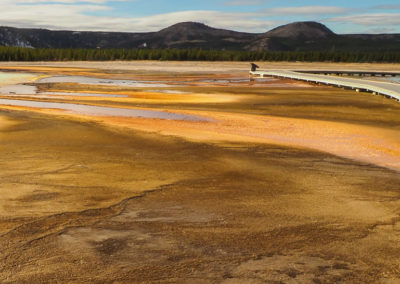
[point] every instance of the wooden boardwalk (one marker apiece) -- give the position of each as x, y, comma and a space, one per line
352, 73
387, 89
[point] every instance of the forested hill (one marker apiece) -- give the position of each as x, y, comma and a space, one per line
300, 36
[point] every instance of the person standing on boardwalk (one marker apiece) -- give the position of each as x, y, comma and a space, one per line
254, 67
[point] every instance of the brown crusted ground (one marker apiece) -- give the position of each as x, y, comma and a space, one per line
86, 203
188, 67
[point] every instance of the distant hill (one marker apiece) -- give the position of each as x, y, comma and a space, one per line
299, 36
301, 30
197, 35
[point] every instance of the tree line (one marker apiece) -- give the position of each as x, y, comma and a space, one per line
8, 53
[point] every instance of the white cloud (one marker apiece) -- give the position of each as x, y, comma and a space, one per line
237, 21
381, 30
242, 2
60, 1
306, 10
78, 15
387, 7
379, 19
74, 17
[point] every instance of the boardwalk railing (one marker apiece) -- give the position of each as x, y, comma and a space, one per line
390, 90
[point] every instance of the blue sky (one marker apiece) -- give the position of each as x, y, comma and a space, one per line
341, 16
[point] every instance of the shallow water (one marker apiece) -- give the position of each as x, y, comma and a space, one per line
238, 81
18, 89
169, 91
102, 111
50, 94
33, 91
225, 81
97, 81
394, 79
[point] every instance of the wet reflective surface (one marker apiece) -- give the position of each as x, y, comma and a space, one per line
169, 91
285, 185
18, 90
102, 111
50, 94
394, 79
99, 81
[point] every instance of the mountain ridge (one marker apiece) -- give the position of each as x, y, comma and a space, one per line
297, 36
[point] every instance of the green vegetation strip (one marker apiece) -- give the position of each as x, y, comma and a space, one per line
46, 54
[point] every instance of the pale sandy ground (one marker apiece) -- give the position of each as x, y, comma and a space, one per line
362, 143
366, 144
190, 212
154, 201
198, 67
23, 78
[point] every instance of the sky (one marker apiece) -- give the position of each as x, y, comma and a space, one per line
342, 16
